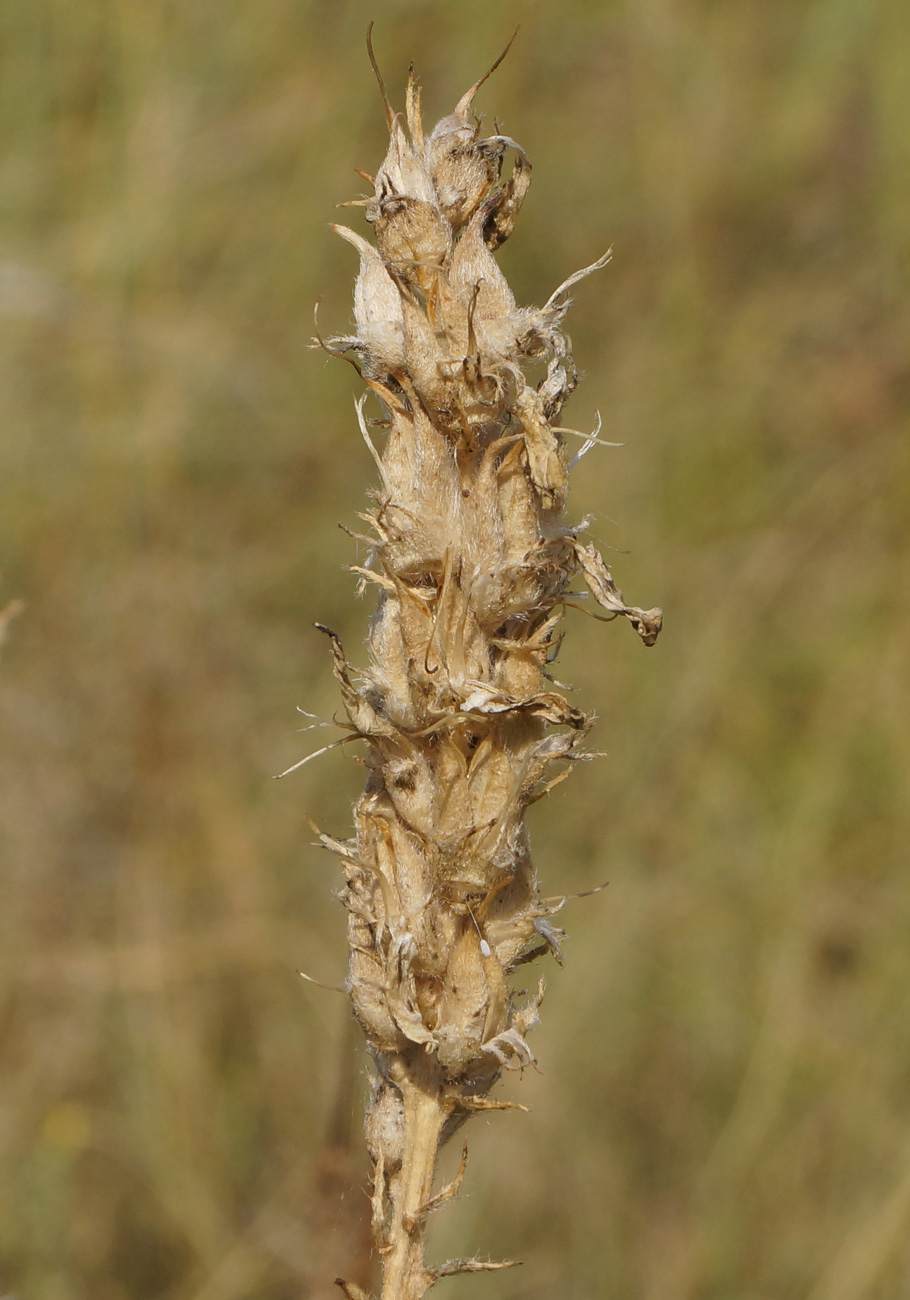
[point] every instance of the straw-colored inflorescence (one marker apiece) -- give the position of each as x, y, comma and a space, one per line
473, 562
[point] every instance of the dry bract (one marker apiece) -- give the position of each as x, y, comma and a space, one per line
473, 562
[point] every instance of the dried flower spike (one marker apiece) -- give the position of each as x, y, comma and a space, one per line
473, 563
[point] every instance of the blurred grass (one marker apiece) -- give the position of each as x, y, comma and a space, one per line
724, 1109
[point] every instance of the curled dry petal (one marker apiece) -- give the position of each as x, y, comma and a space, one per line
647, 622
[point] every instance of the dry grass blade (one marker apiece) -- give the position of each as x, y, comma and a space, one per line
7, 614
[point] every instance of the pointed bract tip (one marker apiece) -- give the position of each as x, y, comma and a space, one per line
465, 102
389, 111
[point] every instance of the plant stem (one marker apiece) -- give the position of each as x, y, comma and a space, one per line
418, 1079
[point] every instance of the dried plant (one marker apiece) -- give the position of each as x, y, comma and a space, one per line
474, 564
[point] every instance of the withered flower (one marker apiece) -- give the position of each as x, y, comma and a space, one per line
473, 561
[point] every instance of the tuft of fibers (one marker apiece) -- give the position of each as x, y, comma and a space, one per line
473, 563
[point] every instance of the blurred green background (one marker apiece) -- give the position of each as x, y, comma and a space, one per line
723, 1111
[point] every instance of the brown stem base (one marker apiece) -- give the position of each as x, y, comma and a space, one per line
405, 1276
